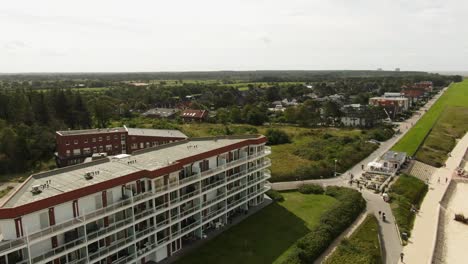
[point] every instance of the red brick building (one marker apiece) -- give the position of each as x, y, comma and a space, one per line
191, 115
74, 146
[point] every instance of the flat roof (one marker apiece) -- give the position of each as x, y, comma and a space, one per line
390, 98
72, 178
155, 132
394, 156
91, 131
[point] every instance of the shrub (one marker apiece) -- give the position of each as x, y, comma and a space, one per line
311, 189
275, 195
277, 136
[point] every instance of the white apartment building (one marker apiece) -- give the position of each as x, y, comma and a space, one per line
135, 208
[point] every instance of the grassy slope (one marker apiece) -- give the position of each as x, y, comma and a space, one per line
407, 190
263, 237
456, 95
452, 124
362, 247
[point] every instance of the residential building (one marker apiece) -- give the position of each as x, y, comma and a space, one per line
162, 113
193, 115
74, 146
354, 115
393, 106
358, 115
136, 208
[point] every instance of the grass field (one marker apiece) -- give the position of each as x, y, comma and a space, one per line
456, 95
362, 247
265, 236
406, 191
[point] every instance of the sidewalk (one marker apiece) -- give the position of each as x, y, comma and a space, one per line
420, 246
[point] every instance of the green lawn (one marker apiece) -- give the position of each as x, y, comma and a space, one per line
456, 95
265, 236
406, 191
362, 247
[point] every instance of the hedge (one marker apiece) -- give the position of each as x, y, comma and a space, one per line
332, 224
275, 195
311, 189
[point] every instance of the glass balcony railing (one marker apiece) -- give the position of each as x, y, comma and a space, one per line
111, 248
56, 251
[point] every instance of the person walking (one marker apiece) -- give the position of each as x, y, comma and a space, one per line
446, 179
380, 212
402, 255
438, 180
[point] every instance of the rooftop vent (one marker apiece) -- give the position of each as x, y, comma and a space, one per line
90, 175
36, 189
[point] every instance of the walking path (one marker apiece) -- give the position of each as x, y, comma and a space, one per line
421, 243
391, 243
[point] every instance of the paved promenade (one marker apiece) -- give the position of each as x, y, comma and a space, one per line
420, 246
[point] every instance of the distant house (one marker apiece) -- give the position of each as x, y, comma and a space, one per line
163, 113
193, 115
354, 115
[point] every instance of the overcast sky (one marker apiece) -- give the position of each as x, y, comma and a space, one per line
174, 35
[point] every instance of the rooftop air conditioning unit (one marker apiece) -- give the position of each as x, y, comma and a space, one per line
88, 176
36, 189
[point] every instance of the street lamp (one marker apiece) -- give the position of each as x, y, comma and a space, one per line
335, 168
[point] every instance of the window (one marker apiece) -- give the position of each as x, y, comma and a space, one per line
122, 137
108, 147
100, 138
68, 153
76, 151
44, 219
108, 138
98, 201
86, 140
75, 141
94, 139
86, 150
142, 145
134, 146
147, 144
101, 149
94, 149
67, 142
116, 137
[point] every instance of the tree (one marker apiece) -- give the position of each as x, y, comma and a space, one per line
277, 136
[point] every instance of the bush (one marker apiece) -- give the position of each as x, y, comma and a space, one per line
332, 224
275, 195
311, 189
277, 136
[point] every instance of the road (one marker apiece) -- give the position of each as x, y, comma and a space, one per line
388, 230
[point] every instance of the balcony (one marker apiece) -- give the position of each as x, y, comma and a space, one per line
54, 253
214, 213
117, 245
109, 229
11, 244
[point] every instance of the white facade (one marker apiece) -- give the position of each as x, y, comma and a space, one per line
134, 224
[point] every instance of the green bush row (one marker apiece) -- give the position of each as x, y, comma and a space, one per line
275, 195
311, 189
332, 224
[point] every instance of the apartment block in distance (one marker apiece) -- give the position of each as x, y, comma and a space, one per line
139, 208
74, 146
